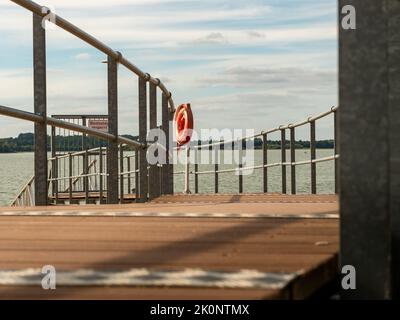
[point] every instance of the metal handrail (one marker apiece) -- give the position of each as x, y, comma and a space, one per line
25, 193
24, 115
89, 39
292, 164
269, 131
114, 58
269, 165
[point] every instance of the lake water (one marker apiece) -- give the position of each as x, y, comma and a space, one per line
253, 183
17, 168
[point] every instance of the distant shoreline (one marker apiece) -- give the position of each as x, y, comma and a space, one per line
25, 143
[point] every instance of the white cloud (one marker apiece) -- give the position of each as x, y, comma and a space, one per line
212, 38
252, 63
82, 56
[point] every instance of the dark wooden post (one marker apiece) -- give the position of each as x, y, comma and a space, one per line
112, 150
40, 107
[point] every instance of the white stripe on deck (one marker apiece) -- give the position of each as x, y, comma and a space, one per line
242, 279
169, 214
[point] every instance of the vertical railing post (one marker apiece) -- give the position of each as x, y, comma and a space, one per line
86, 178
54, 171
154, 181
101, 173
265, 162
137, 176
336, 148
165, 174
40, 107
216, 167
112, 151
167, 169
143, 171
293, 159
70, 185
187, 170
283, 160
84, 140
128, 168
241, 151
121, 176
313, 157
170, 158
196, 167
57, 182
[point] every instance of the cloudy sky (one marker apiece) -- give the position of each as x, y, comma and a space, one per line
241, 63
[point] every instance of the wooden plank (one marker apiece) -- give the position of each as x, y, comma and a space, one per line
132, 293
269, 245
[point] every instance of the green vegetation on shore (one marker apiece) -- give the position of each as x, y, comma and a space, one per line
24, 143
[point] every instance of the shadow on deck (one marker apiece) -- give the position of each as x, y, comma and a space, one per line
176, 247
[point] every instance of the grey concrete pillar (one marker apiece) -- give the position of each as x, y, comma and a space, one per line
369, 121
40, 107
112, 150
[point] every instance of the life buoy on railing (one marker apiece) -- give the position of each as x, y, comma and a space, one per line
183, 124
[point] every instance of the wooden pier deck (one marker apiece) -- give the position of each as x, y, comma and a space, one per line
291, 241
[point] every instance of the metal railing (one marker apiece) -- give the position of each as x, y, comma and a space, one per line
43, 11
25, 197
74, 176
39, 117
150, 181
284, 164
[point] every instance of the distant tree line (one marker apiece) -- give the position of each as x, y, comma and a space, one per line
300, 144
25, 143
276, 144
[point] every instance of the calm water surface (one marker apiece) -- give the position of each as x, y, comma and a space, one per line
16, 169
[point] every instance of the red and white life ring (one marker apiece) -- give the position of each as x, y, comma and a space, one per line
183, 124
